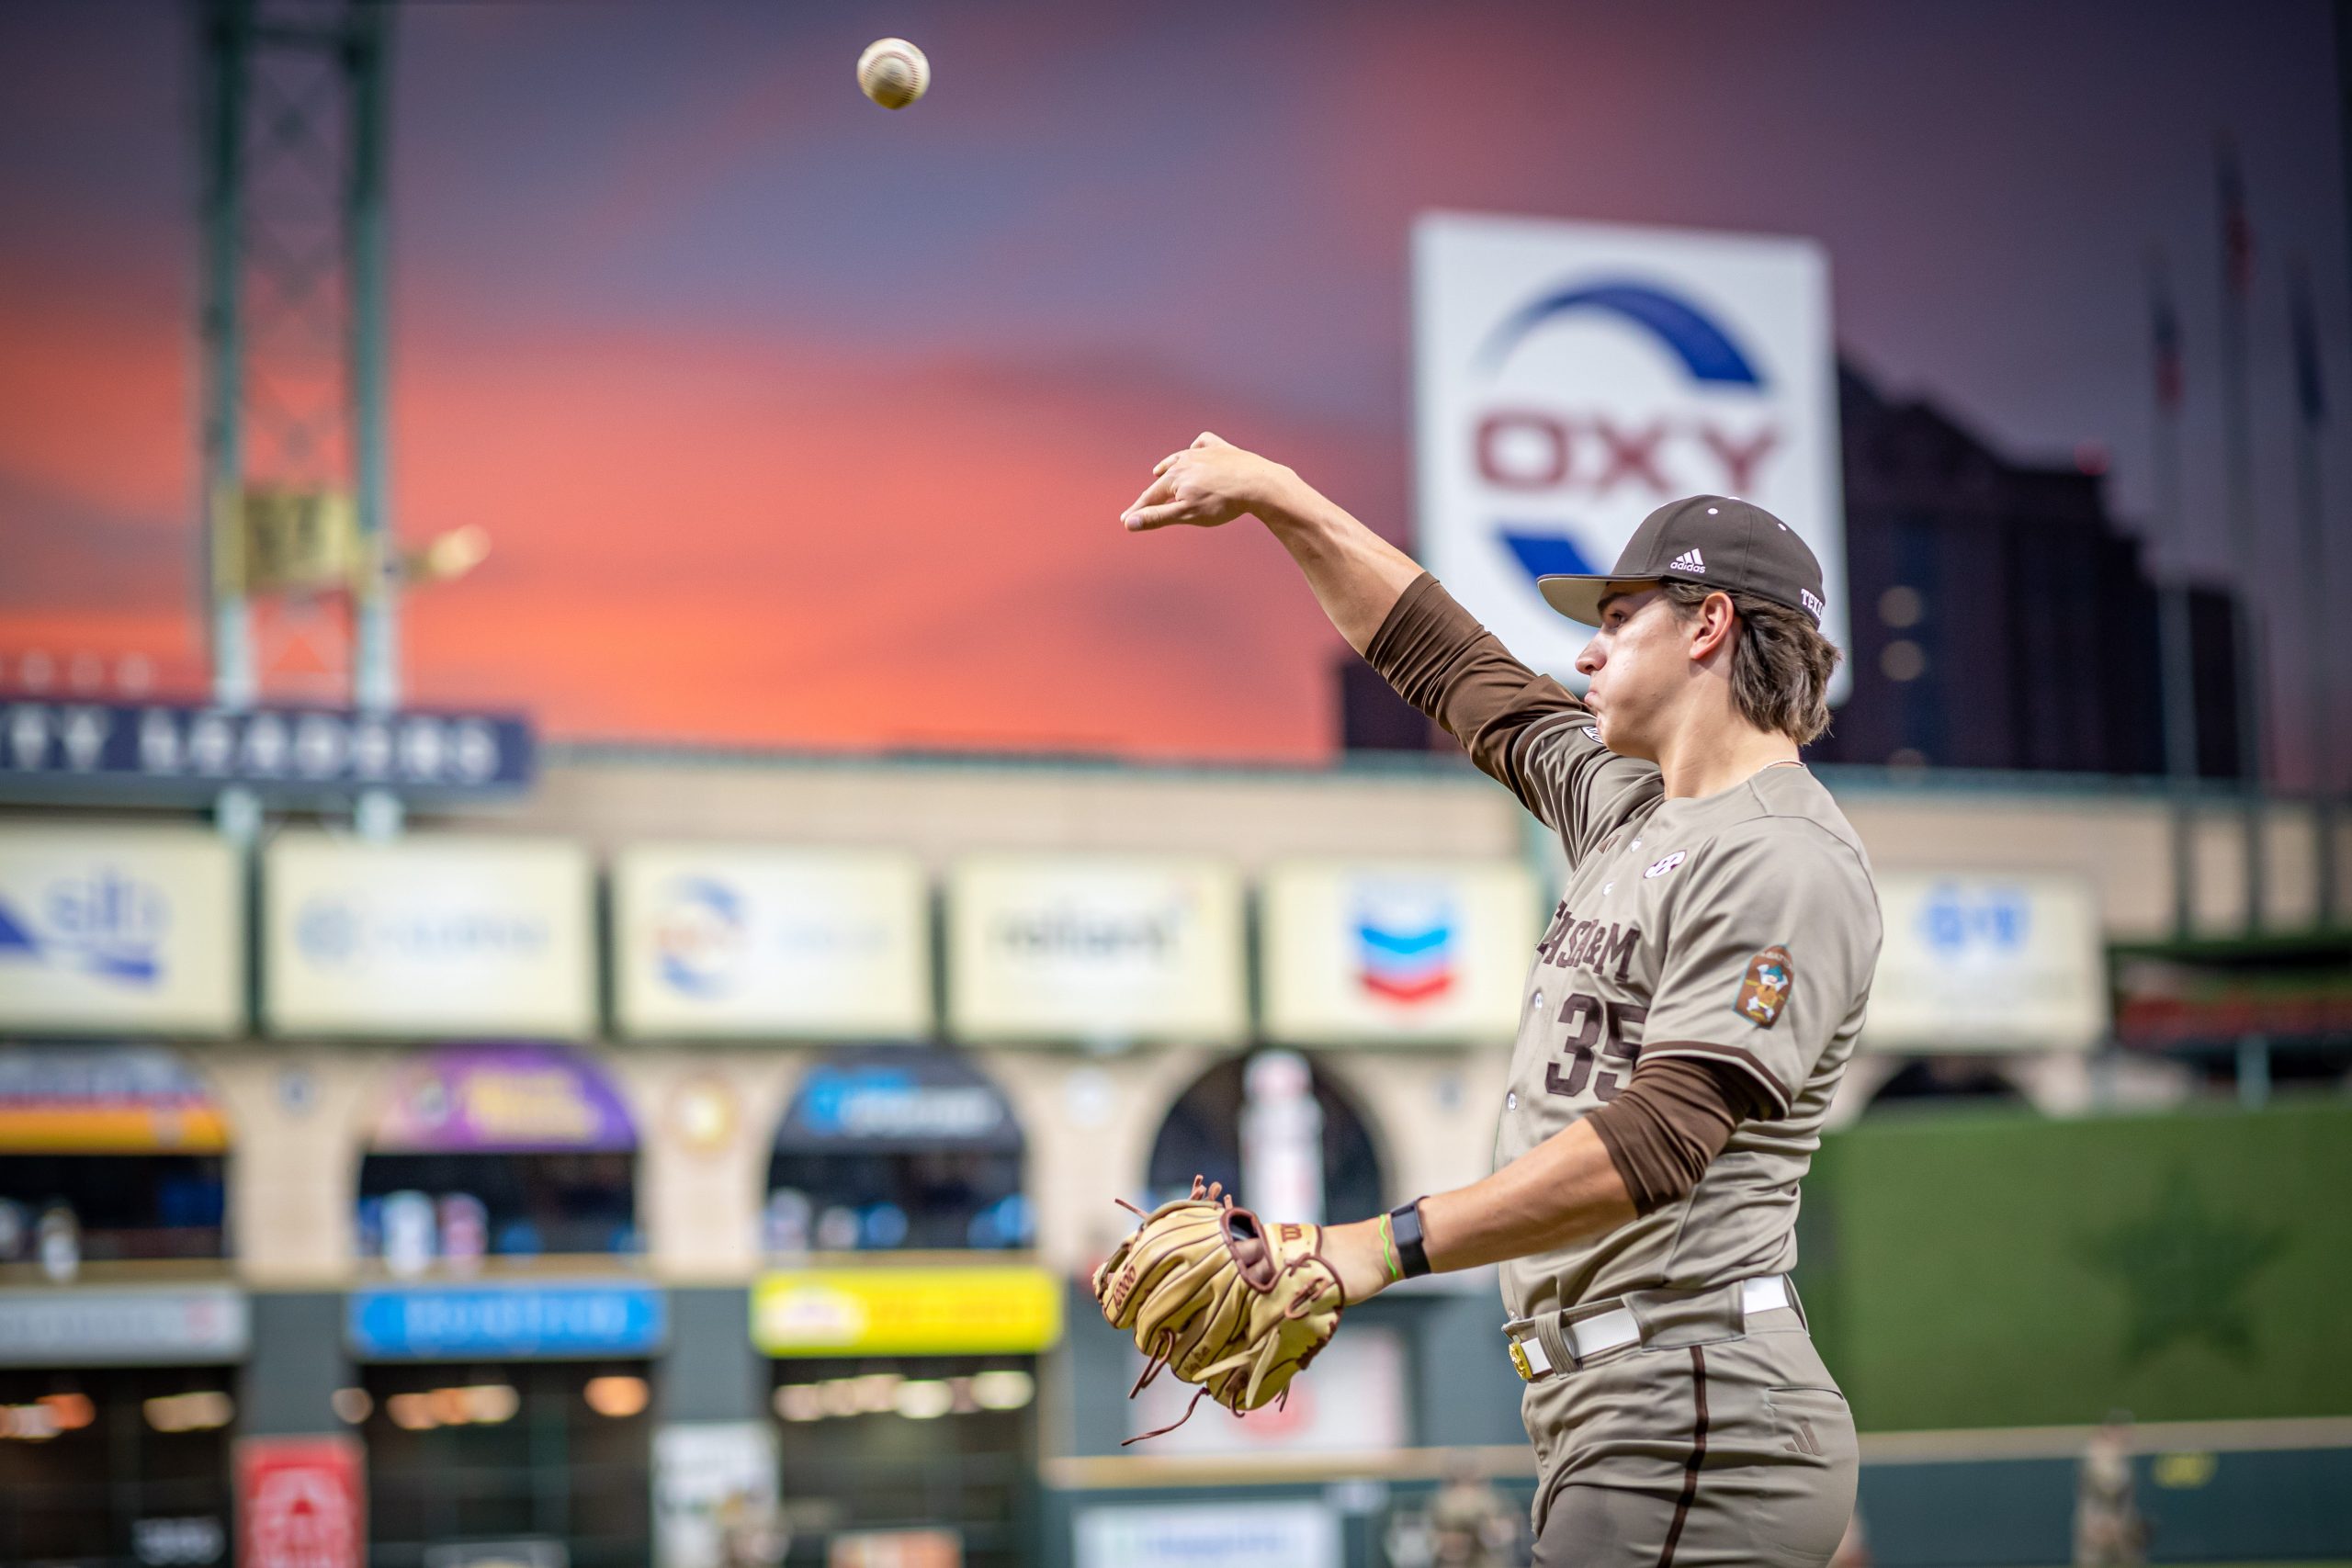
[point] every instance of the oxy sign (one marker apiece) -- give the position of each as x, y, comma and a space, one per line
1571, 378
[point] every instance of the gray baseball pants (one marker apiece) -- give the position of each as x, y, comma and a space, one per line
1714, 1441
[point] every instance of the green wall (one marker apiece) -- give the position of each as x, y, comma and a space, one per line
1999, 1269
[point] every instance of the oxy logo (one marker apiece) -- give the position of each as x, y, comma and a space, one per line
1661, 867
1407, 944
1564, 470
700, 936
1960, 921
103, 922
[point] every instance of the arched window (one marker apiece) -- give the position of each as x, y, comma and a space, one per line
896, 1146
503, 1151
1271, 1125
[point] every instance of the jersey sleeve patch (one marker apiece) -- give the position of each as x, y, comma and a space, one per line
1765, 990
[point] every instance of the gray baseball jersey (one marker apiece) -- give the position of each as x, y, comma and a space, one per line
1740, 927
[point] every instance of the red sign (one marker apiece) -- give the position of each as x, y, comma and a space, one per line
300, 1503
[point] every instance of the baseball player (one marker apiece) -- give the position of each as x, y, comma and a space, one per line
1691, 1007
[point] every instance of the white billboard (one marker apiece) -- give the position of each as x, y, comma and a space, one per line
726, 941
1404, 950
428, 937
1225, 1534
1981, 963
1102, 949
131, 928
1569, 379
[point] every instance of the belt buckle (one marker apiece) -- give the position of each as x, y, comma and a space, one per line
1519, 1360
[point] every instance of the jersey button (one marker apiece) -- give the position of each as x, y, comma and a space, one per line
1535, 1003
1511, 1100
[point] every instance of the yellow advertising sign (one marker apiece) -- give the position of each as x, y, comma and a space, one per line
884, 1311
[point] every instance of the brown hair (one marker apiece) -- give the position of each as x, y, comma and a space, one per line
1780, 666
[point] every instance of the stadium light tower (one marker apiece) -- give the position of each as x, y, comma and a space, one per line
296, 497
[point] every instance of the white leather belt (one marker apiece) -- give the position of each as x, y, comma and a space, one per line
1614, 1329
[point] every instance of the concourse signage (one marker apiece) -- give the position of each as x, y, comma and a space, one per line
433, 936
566, 1321
1096, 948
133, 930
1394, 952
172, 752
890, 1310
745, 942
1988, 963
194, 1326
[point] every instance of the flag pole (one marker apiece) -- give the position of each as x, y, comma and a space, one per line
2311, 409
2178, 669
2244, 540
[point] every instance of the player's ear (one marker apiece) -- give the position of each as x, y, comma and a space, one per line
1711, 627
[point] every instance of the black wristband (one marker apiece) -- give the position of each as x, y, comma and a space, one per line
1404, 1224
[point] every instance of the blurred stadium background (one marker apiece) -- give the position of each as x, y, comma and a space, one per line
607, 859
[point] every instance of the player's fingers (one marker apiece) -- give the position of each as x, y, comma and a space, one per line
1161, 466
1143, 519
1161, 488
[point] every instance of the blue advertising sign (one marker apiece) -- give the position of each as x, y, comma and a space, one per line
182, 751
521, 1320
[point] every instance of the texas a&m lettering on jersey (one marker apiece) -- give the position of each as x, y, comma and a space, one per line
1571, 943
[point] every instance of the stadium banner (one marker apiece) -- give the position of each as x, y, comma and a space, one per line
111, 1099
185, 753
186, 1325
1425, 953
507, 1099
518, 1320
1571, 378
722, 940
302, 1503
1096, 948
431, 936
1301, 1534
127, 929
1981, 963
888, 1310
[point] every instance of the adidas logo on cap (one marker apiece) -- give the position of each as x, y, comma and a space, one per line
1690, 560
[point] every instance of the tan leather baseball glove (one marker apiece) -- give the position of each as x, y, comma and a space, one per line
1224, 1301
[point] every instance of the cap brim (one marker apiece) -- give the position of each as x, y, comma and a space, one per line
1579, 597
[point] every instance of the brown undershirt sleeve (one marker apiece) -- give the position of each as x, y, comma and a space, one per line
1670, 1123
1444, 662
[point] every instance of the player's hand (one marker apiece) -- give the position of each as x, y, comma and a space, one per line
1206, 485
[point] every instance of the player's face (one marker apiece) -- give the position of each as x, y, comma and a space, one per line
1638, 664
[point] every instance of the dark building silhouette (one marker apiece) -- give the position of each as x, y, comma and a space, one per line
1999, 615
1999, 619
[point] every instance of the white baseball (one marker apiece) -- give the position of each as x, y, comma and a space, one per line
893, 73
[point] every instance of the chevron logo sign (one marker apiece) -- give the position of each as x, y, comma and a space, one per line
1407, 949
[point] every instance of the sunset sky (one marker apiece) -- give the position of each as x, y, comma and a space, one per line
801, 424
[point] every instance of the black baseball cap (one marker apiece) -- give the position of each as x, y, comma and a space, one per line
1710, 540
